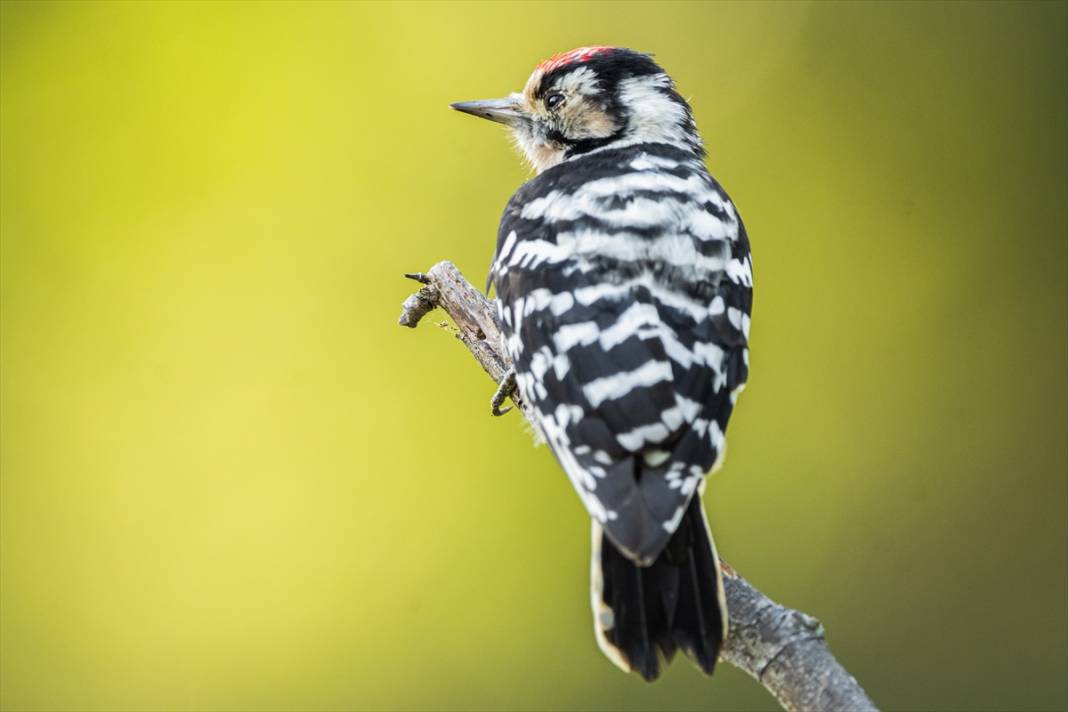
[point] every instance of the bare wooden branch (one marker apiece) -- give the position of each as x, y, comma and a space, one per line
783, 649
474, 315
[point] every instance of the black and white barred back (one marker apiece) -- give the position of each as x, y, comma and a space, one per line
624, 285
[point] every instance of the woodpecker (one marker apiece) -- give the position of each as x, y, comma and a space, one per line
624, 287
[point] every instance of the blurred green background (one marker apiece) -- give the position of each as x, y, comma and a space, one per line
231, 482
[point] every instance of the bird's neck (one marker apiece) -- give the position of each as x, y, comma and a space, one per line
655, 113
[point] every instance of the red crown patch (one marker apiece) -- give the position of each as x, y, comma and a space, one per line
581, 54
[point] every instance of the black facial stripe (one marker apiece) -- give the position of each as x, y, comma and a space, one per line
556, 136
575, 148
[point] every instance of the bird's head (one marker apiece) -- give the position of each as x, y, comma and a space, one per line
592, 98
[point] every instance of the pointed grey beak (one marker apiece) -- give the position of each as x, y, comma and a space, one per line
504, 111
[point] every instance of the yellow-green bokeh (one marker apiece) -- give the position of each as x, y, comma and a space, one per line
231, 482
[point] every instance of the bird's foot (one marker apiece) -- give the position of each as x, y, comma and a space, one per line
504, 389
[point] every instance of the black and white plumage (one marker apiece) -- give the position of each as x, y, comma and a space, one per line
624, 284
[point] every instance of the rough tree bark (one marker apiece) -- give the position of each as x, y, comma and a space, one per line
783, 649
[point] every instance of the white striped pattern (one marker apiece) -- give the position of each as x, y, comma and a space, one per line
620, 384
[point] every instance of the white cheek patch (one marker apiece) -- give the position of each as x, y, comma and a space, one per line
588, 121
582, 117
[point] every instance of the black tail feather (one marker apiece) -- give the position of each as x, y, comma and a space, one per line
644, 614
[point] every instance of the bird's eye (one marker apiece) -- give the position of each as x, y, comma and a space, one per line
554, 100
